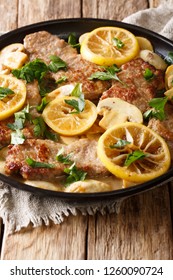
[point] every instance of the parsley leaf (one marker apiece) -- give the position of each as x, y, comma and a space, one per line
56, 63
78, 104
158, 105
17, 137
74, 174
35, 69
148, 74
37, 164
169, 58
117, 43
61, 80
120, 144
72, 41
132, 157
4, 92
43, 104
63, 159
20, 119
110, 74
40, 129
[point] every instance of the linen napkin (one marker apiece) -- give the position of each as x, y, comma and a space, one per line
19, 208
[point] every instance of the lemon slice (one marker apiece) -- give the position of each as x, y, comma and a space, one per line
12, 102
156, 159
60, 117
109, 45
169, 77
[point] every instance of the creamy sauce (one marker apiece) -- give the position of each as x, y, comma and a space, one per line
111, 181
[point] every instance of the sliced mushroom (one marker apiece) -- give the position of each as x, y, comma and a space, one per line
115, 111
144, 43
89, 186
153, 59
16, 47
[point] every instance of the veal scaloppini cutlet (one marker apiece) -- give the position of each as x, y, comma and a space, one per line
134, 88
83, 153
43, 44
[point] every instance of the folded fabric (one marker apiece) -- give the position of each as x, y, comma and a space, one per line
159, 20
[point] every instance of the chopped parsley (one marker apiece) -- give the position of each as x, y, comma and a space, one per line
117, 43
37, 69
169, 58
148, 74
43, 104
63, 159
109, 74
134, 156
79, 103
40, 129
120, 144
17, 137
4, 92
72, 41
56, 64
61, 80
74, 174
37, 164
157, 111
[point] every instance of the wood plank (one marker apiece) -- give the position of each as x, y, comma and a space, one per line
42, 10
112, 9
8, 15
141, 231
54, 242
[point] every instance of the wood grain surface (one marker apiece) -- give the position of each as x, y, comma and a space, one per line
143, 229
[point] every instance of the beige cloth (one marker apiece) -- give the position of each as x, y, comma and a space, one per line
20, 208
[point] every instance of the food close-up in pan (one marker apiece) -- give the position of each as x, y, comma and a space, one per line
88, 114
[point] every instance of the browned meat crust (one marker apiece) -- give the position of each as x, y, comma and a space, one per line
83, 154
43, 44
135, 89
164, 128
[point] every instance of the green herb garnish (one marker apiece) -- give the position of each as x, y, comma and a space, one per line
56, 63
109, 74
72, 41
158, 105
63, 159
74, 174
117, 43
120, 144
40, 129
43, 104
61, 80
4, 92
79, 103
148, 74
17, 137
20, 119
169, 58
134, 156
37, 164
35, 69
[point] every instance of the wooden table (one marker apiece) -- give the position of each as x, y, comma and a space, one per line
143, 229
